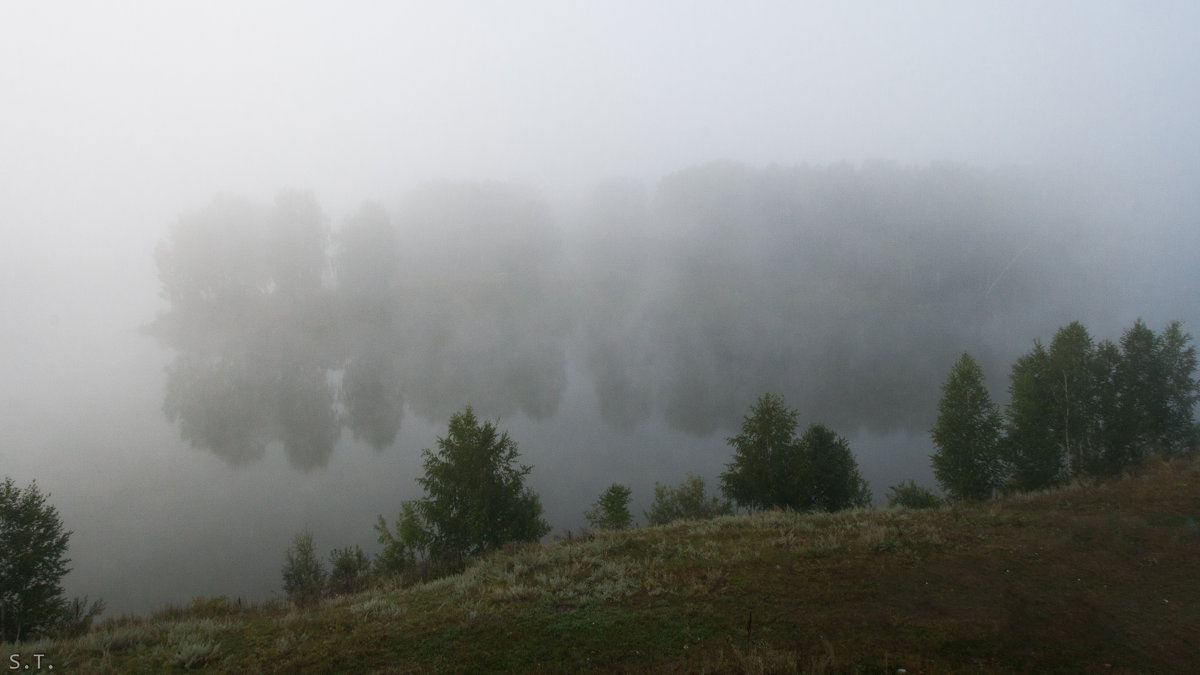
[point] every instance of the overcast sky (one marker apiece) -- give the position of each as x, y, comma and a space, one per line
117, 117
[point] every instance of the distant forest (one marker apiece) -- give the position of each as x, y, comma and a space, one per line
849, 288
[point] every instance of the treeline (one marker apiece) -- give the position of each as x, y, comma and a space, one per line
289, 329
1078, 407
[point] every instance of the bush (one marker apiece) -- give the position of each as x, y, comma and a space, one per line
912, 496
687, 501
303, 573
349, 568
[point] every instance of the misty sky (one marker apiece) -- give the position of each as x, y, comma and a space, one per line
116, 119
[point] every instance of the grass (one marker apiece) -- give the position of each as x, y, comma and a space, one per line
1097, 577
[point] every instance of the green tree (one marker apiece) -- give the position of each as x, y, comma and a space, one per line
33, 544
967, 435
1180, 389
303, 573
348, 569
611, 510
1070, 380
767, 468
912, 496
686, 501
830, 479
400, 549
1111, 426
1140, 380
1035, 460
475, 497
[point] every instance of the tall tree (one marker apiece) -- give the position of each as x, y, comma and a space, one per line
768, 465
33, 544
475, 496
967, 461
1111, 424
1140, 381
1069, 376
1031, 449
1181, 390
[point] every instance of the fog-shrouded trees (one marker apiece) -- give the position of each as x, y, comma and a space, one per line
252, 322
611, 510
967, 435
475, 500
286, 330
772, 468
33, 546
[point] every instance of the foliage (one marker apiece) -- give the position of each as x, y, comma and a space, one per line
1085, 408
1030, 449
76, 616
1180, 389
912, 496
830, 480
33, 544
399, 549
475, 499
348, 570
967, 435
771, 468
685, 501
611, 510
768, 463
303, 572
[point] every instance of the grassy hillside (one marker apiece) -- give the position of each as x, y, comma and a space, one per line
1099, 578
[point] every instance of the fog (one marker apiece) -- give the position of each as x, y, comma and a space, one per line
255, 256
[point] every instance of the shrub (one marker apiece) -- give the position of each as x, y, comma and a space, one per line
349, 568
912, 496
303, 573
686, 501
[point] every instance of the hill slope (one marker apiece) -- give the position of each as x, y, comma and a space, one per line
1099, 578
